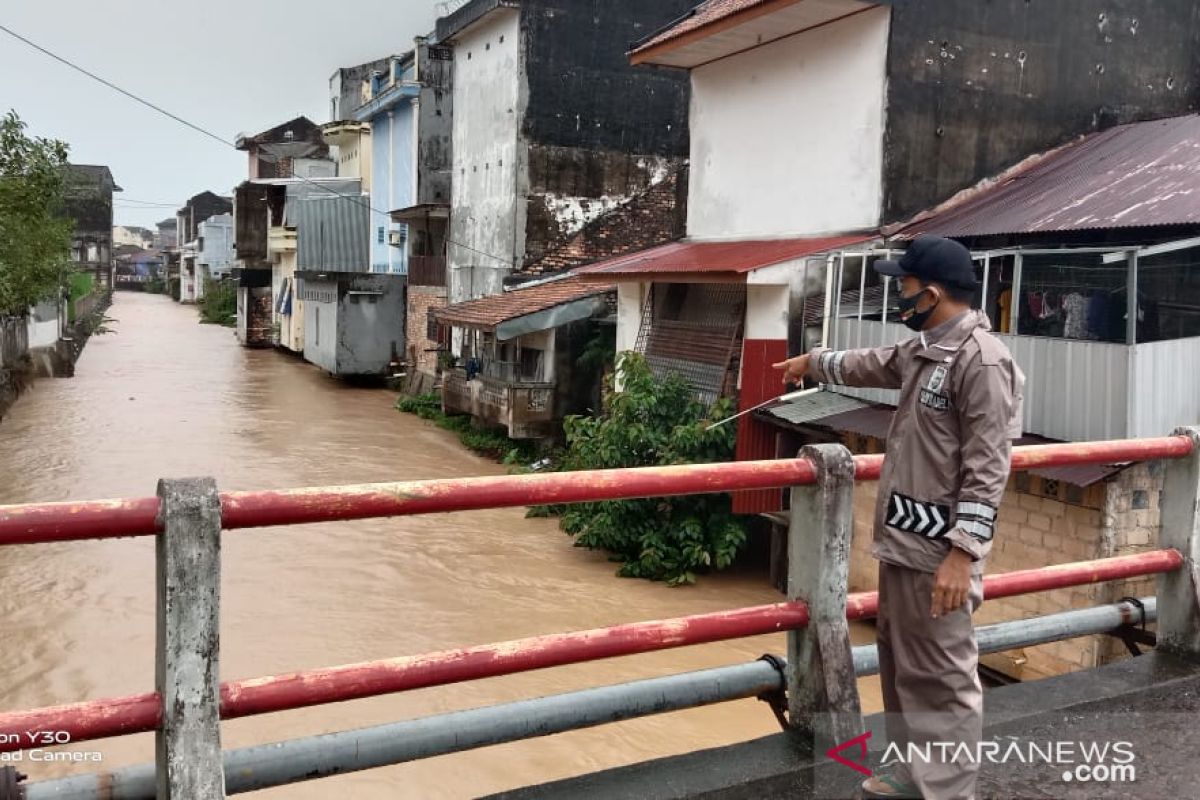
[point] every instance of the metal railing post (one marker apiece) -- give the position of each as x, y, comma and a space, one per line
822, 686
1179, 590
188, 568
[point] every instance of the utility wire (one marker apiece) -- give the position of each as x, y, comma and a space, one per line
211, 135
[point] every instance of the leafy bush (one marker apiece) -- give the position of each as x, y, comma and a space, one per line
218, 306
35, 229
653, 422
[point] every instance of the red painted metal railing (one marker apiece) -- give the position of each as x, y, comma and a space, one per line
104, 519
28, 524
140, 713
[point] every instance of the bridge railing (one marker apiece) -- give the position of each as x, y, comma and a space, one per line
813, 690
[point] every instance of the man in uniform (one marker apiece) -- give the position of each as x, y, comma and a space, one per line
947, 464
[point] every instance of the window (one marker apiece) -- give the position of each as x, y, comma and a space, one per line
433, 330
379, 237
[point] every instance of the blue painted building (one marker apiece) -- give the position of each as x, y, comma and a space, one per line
392, 113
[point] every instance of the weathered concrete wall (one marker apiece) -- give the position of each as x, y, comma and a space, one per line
974, 88
353, 324
817, 165
488, 101
435, 124
370, 324
583, 92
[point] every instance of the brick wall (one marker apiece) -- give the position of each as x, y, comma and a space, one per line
653, 217
420, 300
1041, 523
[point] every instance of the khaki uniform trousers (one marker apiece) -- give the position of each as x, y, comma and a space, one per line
929, 672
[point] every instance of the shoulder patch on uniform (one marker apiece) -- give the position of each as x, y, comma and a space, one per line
992, 351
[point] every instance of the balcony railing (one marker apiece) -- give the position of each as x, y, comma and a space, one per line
525, 408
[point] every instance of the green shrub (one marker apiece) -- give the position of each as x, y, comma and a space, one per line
218, 306
653, 422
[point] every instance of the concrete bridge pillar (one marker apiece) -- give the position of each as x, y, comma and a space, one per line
1179, 591
822, 687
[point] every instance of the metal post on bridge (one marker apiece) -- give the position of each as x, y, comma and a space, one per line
188, 567
822, 687
1179, 590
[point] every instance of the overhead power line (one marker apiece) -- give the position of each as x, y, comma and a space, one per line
67, 62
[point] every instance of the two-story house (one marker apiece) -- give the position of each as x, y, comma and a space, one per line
833, 119
196, 211
293, 148
552, 127
403, 144
88, 195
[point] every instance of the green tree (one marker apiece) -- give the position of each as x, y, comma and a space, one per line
35, 239
650, 422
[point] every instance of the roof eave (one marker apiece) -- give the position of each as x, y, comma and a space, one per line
651, 53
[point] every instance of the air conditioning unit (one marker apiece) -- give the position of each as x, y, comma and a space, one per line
397, 238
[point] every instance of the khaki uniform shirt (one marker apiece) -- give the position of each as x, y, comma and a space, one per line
949, 445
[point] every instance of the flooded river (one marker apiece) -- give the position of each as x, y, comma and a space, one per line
163, 396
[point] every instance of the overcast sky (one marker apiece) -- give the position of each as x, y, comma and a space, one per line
228, 66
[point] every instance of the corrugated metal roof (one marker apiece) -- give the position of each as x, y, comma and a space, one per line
488, 312
814, 407
733, 258
1142, 174
332, 232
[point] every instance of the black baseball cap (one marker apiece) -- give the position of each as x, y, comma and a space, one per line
933, 259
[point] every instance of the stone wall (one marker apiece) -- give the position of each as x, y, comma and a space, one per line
1041, 523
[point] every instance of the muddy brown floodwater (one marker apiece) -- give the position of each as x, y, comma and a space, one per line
163, 396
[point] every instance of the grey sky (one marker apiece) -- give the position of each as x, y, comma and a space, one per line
227, 66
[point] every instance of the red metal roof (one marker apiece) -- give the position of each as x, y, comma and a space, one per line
1142, 174
713, 258
488, 312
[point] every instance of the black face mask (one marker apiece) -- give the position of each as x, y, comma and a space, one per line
913, 319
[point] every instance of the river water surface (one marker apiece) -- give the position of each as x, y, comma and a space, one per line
163, 396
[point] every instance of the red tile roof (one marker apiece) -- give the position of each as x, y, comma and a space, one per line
732, 258
488, 312
1142, 174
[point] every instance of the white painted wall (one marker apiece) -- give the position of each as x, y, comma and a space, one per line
487, 111
46, 321
767, 310
788, 138
630, 297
